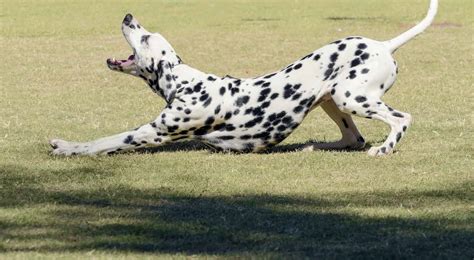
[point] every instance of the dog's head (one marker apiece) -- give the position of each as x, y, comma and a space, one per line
153, 58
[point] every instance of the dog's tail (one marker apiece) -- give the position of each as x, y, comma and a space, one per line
398, 41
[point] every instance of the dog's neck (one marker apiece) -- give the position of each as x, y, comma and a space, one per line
187, 73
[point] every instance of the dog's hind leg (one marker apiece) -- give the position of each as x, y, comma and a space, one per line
376, 109
147, 135
351, 137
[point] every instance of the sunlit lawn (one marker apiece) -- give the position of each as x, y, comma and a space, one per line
188, 201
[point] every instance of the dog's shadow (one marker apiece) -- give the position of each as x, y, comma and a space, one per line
190, 146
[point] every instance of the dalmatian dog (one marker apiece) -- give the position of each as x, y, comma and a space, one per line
346, 77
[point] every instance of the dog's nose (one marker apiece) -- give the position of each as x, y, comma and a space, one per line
128, 19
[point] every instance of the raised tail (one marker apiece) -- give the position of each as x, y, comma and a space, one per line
398, 41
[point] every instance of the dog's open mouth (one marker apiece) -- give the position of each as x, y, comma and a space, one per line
121, 64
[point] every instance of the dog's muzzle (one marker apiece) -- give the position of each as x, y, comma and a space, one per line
121, 64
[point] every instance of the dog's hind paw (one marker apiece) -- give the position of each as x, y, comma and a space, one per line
379, 151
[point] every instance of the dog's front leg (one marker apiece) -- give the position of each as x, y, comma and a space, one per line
148, 135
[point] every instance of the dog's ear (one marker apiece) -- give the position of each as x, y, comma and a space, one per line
166, 81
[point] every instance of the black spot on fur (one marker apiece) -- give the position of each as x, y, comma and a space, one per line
246, 137
348, 94
172, 128
202, 130
269, 76
144, 39
365, 71
399, 136
287, 120
288, 91
362, 46
365, 56
260, 82
360, 99
209, 120
217, 110
307, 56
342, 47
128, 139
222, 91
265, 92
296, 96
352, 74
334, 57
242, 101
328, 73
396, 114
281, 128
253, 122
233, 91
258, 111
197, 87
229, 127
208, 101
355, 62
298, 109
298, 66
226, 137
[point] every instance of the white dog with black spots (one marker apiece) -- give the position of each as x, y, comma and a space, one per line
347, 77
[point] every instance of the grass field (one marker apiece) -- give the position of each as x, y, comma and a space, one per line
187, 201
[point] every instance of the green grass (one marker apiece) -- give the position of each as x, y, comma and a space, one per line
191, 202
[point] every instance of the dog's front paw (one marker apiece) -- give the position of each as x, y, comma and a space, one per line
61, 147
379, 151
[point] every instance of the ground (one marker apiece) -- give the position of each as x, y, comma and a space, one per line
184, 200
